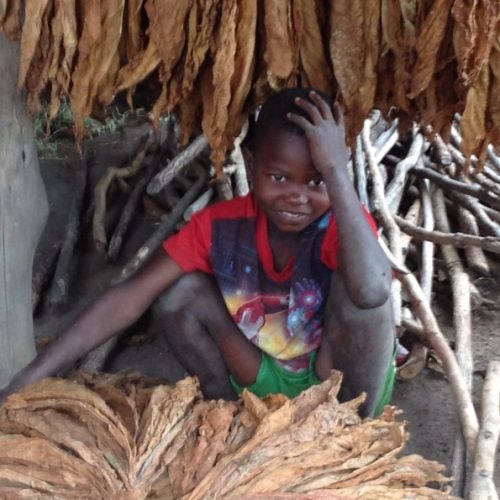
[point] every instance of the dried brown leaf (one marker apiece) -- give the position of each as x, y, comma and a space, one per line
160, 423
42, 466
167, 17
206, 431
397, 54
133, 33
138, 68
9, 19
354, 50
475, 25
472, 124
63, 27
189, 112
241, 81
313, 54
201, 26
281, 49
493, 110
430, 37
97, 51
31, 35
215, 83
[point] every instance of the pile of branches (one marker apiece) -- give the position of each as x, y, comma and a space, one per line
430, 203
121, 436
213, 61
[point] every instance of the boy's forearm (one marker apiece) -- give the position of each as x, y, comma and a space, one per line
91, 328
363, 264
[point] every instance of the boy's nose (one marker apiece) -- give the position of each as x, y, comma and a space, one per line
298, 196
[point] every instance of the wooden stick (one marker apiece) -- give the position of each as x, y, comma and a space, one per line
198, 204
414, 327
462, 325
57, 294
427, 261
183, 159
164, 229
385, 141
454, 186
130, 208
491, 174
437, 341
224, 187
459, 240
101, 189
441, 149
495, 160
152, 208
241, 187
394, 191
476, 260
360, 172
418, 355
44, 268
482, 485
471, 204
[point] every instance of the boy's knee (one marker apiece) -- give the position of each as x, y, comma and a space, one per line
343, 312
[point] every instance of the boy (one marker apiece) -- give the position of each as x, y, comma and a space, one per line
268, 291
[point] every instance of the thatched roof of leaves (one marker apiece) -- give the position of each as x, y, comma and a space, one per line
213, 61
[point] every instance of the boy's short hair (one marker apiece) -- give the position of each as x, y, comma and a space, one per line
272, 116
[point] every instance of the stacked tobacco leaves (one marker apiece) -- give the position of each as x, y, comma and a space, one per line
122, 436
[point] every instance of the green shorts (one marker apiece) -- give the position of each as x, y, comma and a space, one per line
272, 378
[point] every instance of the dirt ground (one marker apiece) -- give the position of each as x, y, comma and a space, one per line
426, 401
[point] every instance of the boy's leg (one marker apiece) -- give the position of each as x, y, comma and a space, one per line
208, 343
358, 342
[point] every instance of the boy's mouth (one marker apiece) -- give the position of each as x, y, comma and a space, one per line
295, 216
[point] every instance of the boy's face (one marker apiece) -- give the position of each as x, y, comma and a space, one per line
285, 183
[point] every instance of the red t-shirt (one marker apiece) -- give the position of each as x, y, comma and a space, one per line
281, 312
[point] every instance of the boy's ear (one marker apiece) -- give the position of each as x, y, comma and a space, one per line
249, 160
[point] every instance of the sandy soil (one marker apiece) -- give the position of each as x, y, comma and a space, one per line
425, 401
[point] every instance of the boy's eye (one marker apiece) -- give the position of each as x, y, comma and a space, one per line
316, 182
277, 177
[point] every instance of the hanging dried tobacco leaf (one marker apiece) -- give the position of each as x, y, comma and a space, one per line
354, 49
472, 123
313, 56
241, 81
167, 17
493, 109
280, 46
132, 29
475, 24
10, 24
31, 34
430, 37
216, 81
64, 43
97, 51
417, 60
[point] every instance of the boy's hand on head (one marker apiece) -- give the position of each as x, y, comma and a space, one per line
325, 133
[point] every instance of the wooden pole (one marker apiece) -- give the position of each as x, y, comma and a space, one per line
482, 486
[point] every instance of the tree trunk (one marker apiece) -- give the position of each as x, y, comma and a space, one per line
23, 213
